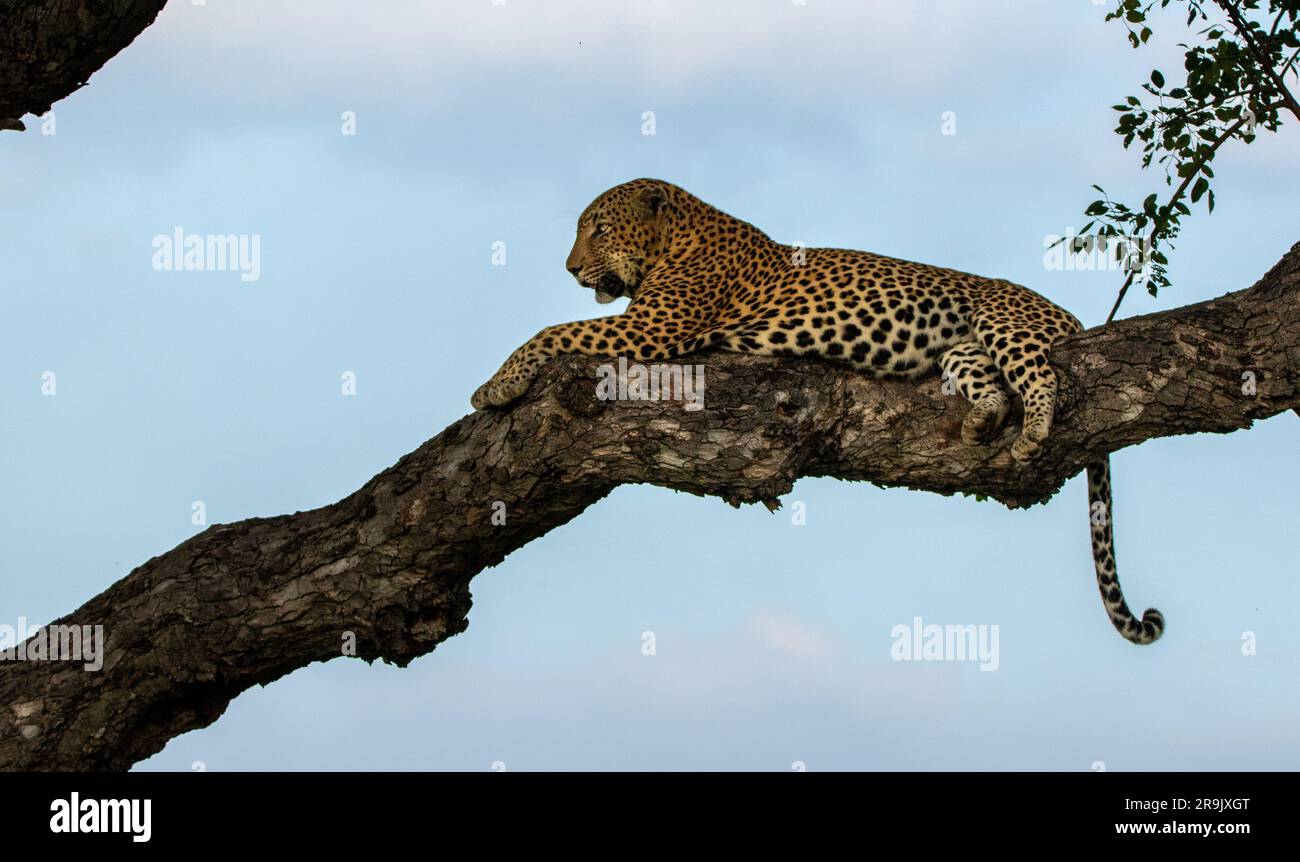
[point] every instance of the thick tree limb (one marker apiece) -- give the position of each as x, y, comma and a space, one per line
246, 603
50, 48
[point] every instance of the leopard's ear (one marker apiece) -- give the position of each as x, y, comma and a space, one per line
649, 202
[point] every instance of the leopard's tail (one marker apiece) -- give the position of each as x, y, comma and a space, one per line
1152, 625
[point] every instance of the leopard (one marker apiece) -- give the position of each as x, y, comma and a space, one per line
697, 278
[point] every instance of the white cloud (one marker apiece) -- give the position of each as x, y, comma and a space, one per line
788, 636
409, 50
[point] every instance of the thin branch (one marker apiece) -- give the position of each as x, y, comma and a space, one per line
1265, 65
1198, 164
1289, 63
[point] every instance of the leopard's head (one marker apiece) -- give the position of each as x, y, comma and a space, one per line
621, 236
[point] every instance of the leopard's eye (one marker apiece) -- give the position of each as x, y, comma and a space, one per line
600, 230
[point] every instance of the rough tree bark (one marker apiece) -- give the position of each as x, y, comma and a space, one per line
245, 603
50, 48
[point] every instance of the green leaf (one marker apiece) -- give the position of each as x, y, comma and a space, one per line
1157, 78
1199, 188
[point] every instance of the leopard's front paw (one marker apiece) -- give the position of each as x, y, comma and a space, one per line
498, 392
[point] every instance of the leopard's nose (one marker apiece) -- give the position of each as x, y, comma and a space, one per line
574, 270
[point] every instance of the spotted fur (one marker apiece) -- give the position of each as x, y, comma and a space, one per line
698, 278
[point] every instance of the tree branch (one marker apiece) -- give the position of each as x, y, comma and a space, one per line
1262, 59
1198, 164
50, 48
243, 604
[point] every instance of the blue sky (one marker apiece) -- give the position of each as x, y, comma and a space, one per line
478, 123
